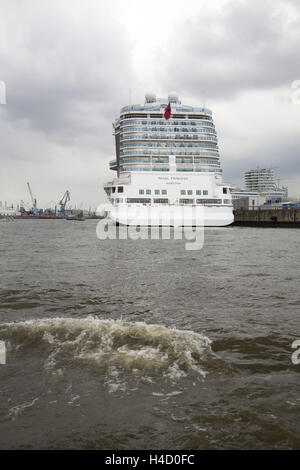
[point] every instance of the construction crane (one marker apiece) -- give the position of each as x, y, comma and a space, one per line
33, 201
63, 202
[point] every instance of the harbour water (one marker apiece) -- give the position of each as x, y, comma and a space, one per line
123, 344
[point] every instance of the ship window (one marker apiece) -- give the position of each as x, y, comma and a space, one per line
161, 201
141, 191
224, 190
130, 116
148, 191
200, 117
209, 201
190, 192
164, 191
186, 201
205, 192
134, 200
157, 191
120, 189
198, 192
183, 192
113, 189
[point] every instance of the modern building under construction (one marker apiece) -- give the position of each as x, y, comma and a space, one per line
262, 180
260, 189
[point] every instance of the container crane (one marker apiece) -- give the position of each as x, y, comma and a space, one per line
63, 202
34, 209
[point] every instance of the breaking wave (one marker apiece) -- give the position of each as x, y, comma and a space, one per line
114, 347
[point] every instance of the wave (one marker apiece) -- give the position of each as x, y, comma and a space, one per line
113, 346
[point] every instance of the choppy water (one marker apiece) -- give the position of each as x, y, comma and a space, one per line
141, 344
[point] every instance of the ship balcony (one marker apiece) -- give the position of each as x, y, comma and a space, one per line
184, 160
184, 167
134, 129
133, 163
160, 161
171, 136
207, 165
126, 159
113, 165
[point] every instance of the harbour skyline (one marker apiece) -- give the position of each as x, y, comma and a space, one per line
55, 127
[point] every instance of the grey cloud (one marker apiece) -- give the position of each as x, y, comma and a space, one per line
67, 68
57, 56
250, 44
245, 47
280, 154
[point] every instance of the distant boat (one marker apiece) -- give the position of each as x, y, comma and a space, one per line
79, 217
7, 218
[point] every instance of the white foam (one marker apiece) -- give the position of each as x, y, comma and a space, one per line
117, 347
15, 411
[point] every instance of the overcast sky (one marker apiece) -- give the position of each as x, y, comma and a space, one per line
68, 66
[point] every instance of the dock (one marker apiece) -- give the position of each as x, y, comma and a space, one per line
289, 218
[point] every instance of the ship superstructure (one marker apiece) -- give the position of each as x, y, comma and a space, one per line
170, 162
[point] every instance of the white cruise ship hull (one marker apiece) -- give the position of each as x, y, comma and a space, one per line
171, 215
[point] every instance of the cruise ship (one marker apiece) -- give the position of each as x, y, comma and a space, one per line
167, 160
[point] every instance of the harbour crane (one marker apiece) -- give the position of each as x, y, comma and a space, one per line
33, 201
23, 206
63, 202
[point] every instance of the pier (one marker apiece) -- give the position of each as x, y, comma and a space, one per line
267, 218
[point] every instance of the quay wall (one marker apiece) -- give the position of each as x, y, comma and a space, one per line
268, 217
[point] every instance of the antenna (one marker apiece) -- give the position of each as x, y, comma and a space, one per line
203, 96
130, 96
